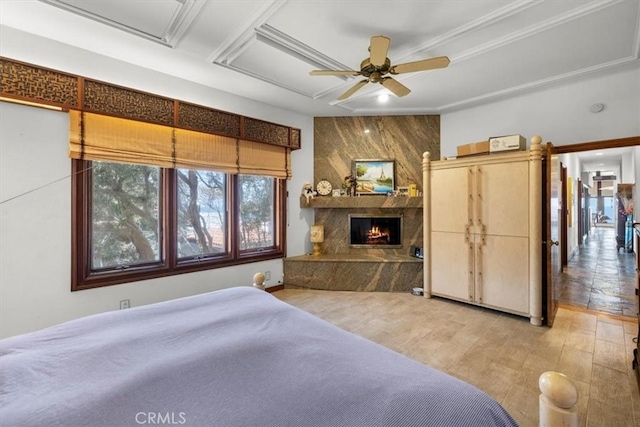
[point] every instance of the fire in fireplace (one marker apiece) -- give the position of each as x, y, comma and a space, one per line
380, 231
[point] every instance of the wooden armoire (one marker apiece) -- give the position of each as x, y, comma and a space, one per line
482, 230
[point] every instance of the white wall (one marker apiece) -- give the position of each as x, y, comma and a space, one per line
35, 226
558, 114
627, 170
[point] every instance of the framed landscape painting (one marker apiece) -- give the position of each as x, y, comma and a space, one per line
374, 176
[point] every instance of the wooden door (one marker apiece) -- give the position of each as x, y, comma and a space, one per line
587, 213
580, 212
552, 231
502, 273
452, 266
503, 199
564, 217
451, 199
502, 244
451, 240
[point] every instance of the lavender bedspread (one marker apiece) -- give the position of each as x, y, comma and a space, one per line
237, 357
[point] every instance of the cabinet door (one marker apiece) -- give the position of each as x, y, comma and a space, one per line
450, 204
452, 266
502, 195
502, 272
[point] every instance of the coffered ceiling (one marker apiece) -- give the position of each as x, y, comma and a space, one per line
265, 49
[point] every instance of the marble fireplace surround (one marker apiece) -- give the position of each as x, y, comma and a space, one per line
338, 141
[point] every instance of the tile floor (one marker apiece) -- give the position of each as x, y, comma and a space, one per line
499, 353
599, 277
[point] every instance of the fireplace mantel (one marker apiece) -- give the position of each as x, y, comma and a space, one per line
378, 202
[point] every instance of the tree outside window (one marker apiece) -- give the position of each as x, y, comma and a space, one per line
134, 222
256, 212
124, 215
202, 210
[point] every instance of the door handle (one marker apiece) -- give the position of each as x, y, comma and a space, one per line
551, 242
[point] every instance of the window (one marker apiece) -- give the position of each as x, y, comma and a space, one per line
256, 214
202, 213
124, 215
133, 222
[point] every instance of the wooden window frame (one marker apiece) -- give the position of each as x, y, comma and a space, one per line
83, 278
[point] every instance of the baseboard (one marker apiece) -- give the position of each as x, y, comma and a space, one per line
275, 288
574, 252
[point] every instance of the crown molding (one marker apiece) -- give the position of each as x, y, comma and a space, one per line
287, 44
516, 90
265, 79
532, 30
180, 22
228, 50
502, 13
484, 21
179, 25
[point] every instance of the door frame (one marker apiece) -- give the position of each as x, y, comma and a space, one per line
631, 141
564, 217
547, 287
550, 229
599, 145
579, 210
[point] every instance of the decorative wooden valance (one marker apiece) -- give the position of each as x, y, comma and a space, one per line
31, 83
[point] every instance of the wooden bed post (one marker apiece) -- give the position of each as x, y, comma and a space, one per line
535, 231
558, 400
258, 281
426, 223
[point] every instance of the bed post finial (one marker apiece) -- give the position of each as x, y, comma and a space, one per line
558, 400
258, 280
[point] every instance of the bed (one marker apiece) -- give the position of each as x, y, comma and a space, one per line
236, 357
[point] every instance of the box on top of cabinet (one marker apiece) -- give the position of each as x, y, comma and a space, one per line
473, 149
507, 143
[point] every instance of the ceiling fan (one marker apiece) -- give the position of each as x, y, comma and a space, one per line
377, 66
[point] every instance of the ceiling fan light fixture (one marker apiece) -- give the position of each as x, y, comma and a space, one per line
383, 98
375, 77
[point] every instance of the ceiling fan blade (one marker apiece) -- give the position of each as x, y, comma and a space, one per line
378, 50
425, 64
395, 86
334, 73
353, 89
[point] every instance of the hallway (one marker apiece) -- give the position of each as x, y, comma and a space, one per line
599, 277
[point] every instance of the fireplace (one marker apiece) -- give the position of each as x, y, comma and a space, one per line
375, 231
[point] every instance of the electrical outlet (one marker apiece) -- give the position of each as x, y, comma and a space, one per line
267, 275
124, 304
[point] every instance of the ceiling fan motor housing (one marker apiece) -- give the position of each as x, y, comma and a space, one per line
372, 72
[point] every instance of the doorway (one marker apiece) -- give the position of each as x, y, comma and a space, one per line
596, 276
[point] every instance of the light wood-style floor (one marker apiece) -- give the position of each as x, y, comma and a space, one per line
499, 353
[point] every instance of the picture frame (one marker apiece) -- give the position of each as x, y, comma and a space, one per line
336, 193
374, 176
